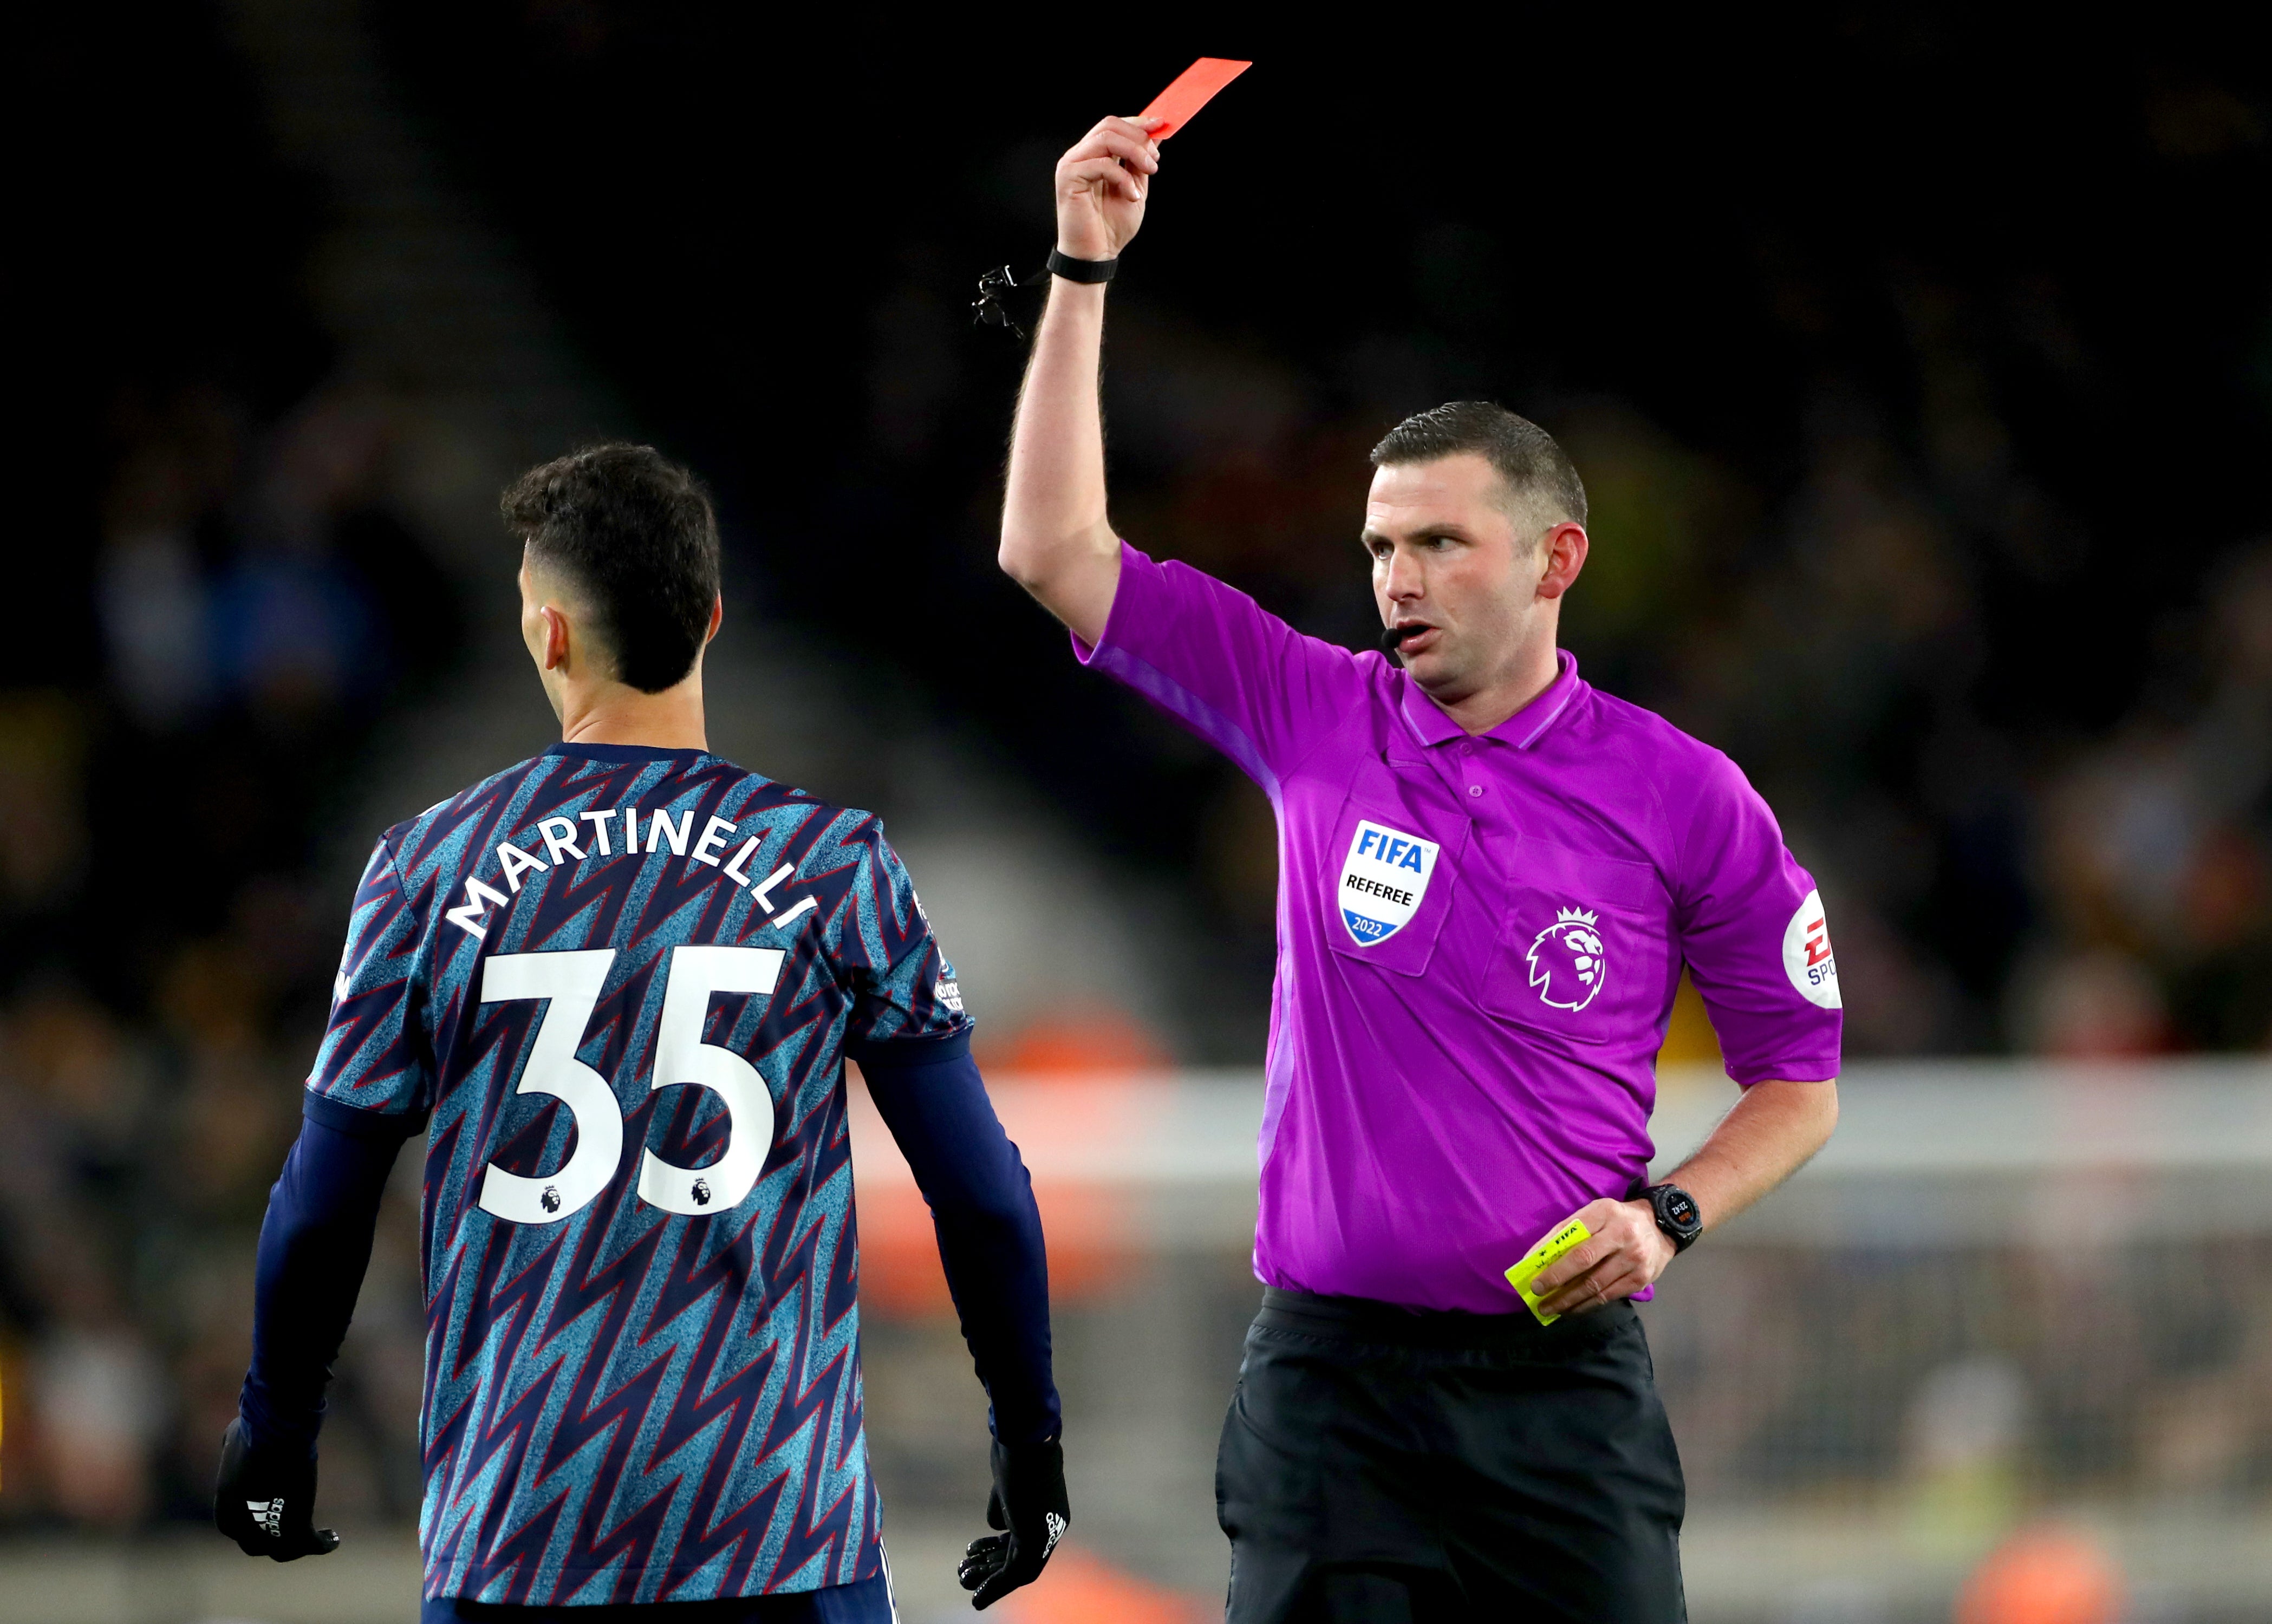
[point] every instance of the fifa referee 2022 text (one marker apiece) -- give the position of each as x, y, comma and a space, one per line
1493, 876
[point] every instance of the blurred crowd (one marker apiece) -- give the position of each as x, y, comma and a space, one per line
1951, 1374
169, 951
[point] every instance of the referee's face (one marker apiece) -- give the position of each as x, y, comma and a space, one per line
1447, 555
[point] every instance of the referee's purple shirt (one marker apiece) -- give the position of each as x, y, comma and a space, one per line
1478, 941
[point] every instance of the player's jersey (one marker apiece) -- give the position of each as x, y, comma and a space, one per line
622, 981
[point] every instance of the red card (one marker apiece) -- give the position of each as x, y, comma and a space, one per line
1194, 87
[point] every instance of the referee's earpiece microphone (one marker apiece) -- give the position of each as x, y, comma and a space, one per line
1391, 640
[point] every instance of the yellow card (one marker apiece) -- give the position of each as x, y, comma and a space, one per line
1542, 1257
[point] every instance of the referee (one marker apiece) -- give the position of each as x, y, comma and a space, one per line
1490, 876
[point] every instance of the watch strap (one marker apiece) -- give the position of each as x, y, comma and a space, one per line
1082, 270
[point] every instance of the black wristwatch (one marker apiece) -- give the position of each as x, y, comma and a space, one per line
1676, 1214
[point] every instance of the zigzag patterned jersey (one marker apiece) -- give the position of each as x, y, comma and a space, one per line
621, 980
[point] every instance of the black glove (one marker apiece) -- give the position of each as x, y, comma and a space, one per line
265, 1505
1029, 1501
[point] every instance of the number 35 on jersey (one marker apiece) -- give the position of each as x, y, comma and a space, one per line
571, 982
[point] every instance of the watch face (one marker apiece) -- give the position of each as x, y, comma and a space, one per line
1679, 1209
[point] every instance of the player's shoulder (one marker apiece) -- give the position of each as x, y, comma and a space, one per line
425, 838
743, 792
702, 772
820, 835
838, 855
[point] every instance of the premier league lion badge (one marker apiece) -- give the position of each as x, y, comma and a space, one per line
1567, 961
1383, 879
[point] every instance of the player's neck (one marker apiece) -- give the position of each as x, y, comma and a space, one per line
616, 713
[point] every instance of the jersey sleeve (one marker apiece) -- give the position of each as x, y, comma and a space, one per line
1223, 665
903, 989
375, 1071
1755, 936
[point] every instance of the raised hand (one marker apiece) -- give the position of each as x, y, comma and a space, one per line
1102, 184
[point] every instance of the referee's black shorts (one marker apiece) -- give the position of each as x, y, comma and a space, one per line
1383, 1464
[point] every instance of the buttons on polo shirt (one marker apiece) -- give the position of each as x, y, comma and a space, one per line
1475, 789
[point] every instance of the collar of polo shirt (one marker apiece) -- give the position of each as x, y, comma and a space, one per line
1432, 725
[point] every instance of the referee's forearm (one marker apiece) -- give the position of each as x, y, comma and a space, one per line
1055, 531
1772, 1132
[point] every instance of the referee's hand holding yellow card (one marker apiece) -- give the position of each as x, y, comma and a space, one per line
1623, 1251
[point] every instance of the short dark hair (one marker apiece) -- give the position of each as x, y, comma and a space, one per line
634, 532
1539, 477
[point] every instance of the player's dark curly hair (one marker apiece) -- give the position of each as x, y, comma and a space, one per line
1537, 474
635, 533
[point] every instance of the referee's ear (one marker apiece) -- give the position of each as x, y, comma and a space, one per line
1562, 554
717, 618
